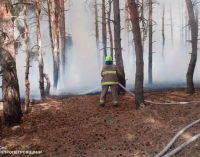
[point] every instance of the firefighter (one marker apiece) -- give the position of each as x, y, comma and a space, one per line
109, 79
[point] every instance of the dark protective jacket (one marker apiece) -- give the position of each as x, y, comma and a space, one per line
109, 75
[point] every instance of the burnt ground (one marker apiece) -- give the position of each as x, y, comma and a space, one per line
77, 127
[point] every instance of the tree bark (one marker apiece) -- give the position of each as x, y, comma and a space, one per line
194, 34
127, 30
50, 26
186, 29
97, 34
117, 39
104, 34
27, 83
37, 5
188, 37
56, 49
109, 29
163, 31
143, 25
197, 22
139, 94
62, 34
0, 128
48, 84
12, 113
180, 23
182, 27
150, 43
57, 19
171, 25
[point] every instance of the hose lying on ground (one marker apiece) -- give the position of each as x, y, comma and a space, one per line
156, 103
175, 137
179, 133
182, 146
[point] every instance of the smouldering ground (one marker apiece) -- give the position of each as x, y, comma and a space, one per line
76, 126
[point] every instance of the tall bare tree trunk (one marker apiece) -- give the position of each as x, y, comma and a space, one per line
56, 48
197, 22
127, 31
186, 29
109, 29
182, 27
12, 113
163, 31
150, 43
27, 83
180, 24
126, 19
0, 128
194, 34
104, 34
57, 19
97, 33
188, 37
139, 94
143, 25
39, 42
50, 26
171, 25
117, 39
62, 34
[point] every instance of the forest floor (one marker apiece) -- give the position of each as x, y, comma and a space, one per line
77, 127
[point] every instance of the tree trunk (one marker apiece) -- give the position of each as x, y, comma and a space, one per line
109, 28
118, 49
0, 128
139, 94
143, 25
97, 34
55, 51
194, 34
197, 21
104, 34
39, 42
50, 27
180, 24
138, 6
163, 31
182, 27
12, 113
150, 43
27, 83
188, 37
186, 29
57, 23
48, 84
62, 34
127, 31
171, 25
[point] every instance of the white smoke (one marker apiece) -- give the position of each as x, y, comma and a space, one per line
83, 74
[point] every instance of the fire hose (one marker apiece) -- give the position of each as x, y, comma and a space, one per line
178, 134
156, 103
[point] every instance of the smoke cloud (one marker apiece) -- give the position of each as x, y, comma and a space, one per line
82, 70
